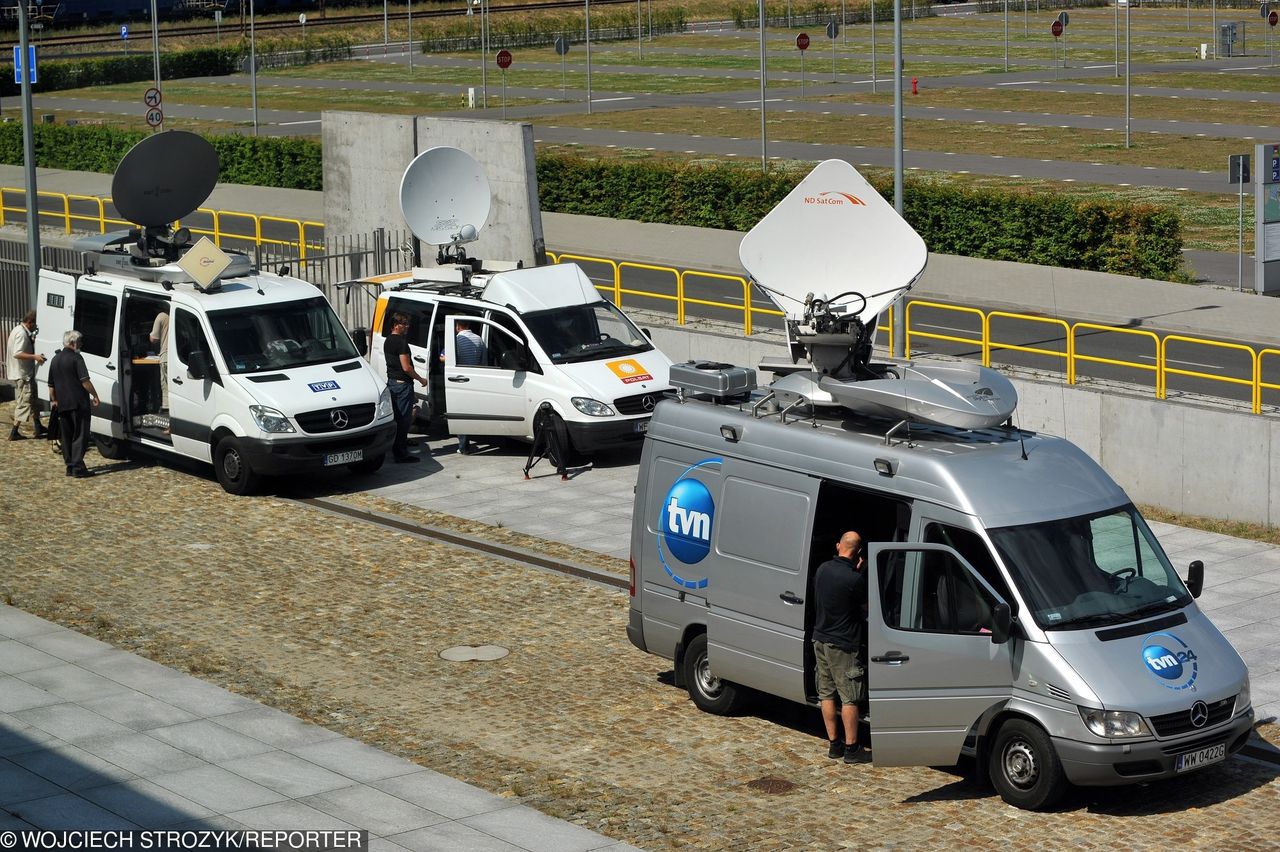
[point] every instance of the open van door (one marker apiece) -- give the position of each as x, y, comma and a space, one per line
488, 398
933, 668
54, 317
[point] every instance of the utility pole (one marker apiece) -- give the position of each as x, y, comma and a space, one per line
29, 157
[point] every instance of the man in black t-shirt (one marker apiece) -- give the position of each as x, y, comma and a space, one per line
72, 396
400, 378
839, 643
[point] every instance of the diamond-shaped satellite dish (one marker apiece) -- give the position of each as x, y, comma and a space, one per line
204, 262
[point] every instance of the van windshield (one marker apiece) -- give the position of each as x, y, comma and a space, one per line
1090, 571
585, 333
281, 335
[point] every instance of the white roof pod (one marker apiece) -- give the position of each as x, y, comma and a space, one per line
833, 255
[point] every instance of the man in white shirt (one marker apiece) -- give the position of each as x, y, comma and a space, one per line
22, 363
160, 339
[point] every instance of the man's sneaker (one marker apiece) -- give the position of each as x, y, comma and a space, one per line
835, 750
854, 753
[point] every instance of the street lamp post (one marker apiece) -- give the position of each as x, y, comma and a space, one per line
587, 4
155, 47
764, 158
29, 158
484, 54
1006, 35
1115, 11
410, 35
1126, 74
253, 69
900, 305
386, 31
639, 30
1215, 28
873, 47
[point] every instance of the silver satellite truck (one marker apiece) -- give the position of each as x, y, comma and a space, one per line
1020, 610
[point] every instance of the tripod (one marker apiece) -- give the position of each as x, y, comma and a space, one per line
546, 441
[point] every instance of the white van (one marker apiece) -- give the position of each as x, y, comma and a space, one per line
549, 338
263, 378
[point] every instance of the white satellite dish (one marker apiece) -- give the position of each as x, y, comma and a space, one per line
834, 234
445, 197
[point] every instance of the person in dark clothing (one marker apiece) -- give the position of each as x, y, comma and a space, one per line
839, 643
400, 378
73, 397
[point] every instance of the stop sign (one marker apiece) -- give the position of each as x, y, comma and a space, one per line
802, 41
504, 59
1056, 28
1273, 18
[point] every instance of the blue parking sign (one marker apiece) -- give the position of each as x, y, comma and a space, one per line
17, 64
124, 31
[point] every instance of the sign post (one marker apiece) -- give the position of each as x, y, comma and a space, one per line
833, 30
504, 62
802, 44
1272, 19
562, 47
1064, 18
1055, 29
1238, 173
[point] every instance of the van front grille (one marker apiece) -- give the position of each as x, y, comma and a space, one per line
641, 403
1179, 722
322, 421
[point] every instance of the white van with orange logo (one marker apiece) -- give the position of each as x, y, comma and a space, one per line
549, 337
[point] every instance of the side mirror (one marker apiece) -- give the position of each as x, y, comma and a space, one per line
200, 367
1001, 623
1195, 578
647, 333
360, 337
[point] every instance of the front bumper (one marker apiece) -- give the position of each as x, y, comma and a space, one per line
607, 434
1091, 764
302, 454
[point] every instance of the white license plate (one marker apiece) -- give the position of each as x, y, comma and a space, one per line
1203, 757
642, 425
343, 458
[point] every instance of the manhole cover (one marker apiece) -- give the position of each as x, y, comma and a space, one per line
772, 785
468, 653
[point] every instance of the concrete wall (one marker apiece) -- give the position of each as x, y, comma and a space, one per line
1184, 457
366, 154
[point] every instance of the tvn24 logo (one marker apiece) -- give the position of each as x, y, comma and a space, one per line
685, 523
1171, 660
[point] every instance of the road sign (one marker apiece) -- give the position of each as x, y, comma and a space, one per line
562, 45
31, 62
1273, 18
1064, 19
802, 41
1238, 168
1056, 29
504, 59
302, 18
155, 117
152, 97
833, 29
124, 32
1264, 10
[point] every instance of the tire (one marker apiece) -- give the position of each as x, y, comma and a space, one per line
365, 467
708, 692
1025, 768
571, 456
110, 448
232, 468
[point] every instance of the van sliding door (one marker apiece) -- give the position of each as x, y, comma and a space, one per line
758, 578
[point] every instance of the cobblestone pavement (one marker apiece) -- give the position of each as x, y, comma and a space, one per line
342, 624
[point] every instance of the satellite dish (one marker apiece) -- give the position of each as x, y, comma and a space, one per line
164, 178
445, 197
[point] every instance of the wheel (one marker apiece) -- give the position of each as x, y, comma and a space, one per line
367, 466
571, 456
1025, 768
709, 692
110, 448
232, 468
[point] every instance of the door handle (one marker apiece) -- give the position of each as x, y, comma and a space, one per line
177, 381
893, 658
419, 359
459, 379
111, 366
790, 598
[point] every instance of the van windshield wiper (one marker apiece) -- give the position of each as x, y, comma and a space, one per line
1096, 619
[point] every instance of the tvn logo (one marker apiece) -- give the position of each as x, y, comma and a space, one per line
688, 523
838, 199
1170, 660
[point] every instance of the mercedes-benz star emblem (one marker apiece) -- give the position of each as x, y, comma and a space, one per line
1199, 714
339, 418
648, 402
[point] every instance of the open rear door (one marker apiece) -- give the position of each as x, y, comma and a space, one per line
932, 667
54, 318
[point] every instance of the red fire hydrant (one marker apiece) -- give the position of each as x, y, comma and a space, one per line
914, 83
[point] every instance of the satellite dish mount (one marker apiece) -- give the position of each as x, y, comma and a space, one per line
446, 199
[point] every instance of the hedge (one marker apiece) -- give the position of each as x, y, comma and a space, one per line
1128, 239
57, 75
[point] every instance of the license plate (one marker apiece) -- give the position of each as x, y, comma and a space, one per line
642, 425
1203, 757
343, 458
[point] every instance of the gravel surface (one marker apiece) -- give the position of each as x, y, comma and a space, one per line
342, 624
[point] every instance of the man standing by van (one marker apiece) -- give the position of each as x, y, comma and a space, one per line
400, 378
839, 643
23, 361
469, 349
72, 395
159, 338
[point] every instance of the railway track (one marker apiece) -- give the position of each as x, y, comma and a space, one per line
75, 41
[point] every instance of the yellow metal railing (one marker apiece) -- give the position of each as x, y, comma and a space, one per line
1068, 356
931, 335
1252, 382
1261, 384
1156, 366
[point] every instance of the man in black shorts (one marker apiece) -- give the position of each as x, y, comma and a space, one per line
839, 643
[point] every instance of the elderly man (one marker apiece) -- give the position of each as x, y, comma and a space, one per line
23, 361
72, 395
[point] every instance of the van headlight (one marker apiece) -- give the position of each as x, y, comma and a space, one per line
1114, 724
1243, 698
591, 407
384, 404
270, 419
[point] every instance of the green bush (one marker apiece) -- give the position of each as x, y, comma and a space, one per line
57, 75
